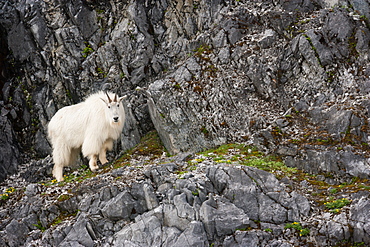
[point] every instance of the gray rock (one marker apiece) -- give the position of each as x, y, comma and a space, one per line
81, 233
160, 174
222, 218
146, 230
259, 194
123, 211
171, 217
193, 235
16, 233
359, 215
249, 238
9, 153
267, 39
20, 41
216, 73
32, 189
144, 196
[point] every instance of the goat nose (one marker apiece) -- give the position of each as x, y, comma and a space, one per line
115, 119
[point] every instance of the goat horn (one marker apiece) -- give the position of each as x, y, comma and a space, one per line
115, 98
109, 100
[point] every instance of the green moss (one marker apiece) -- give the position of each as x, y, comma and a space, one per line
270, 164
150, 145
224, 149
249, 156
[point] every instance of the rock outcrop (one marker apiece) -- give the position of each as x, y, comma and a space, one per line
288, 77
185, 200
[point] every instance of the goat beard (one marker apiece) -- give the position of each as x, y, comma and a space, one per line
116, 123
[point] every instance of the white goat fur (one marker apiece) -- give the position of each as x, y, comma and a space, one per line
90, 126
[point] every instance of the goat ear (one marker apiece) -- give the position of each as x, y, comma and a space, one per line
122, 98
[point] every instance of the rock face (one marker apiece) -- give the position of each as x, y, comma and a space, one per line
289, 77
184, 200
9, 150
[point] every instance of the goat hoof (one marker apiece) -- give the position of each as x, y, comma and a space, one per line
95, 169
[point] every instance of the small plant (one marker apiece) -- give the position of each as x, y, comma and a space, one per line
192, 168
294, 225
87, 51
7, 193
202, 49
180, 173
63, 197
100, 71
195, 193
196, 161
177, 86
204, 130
221, 160
40, 226
365, 187
297, 226
304, 232
333, 191
336, 205
62, 217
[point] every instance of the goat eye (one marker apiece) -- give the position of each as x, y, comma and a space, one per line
109, 106
117, 105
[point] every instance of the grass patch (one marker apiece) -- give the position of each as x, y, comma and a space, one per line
249, 156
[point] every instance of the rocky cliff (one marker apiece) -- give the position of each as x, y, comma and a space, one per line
290, 78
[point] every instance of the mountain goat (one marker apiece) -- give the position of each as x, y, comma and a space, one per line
90, 126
